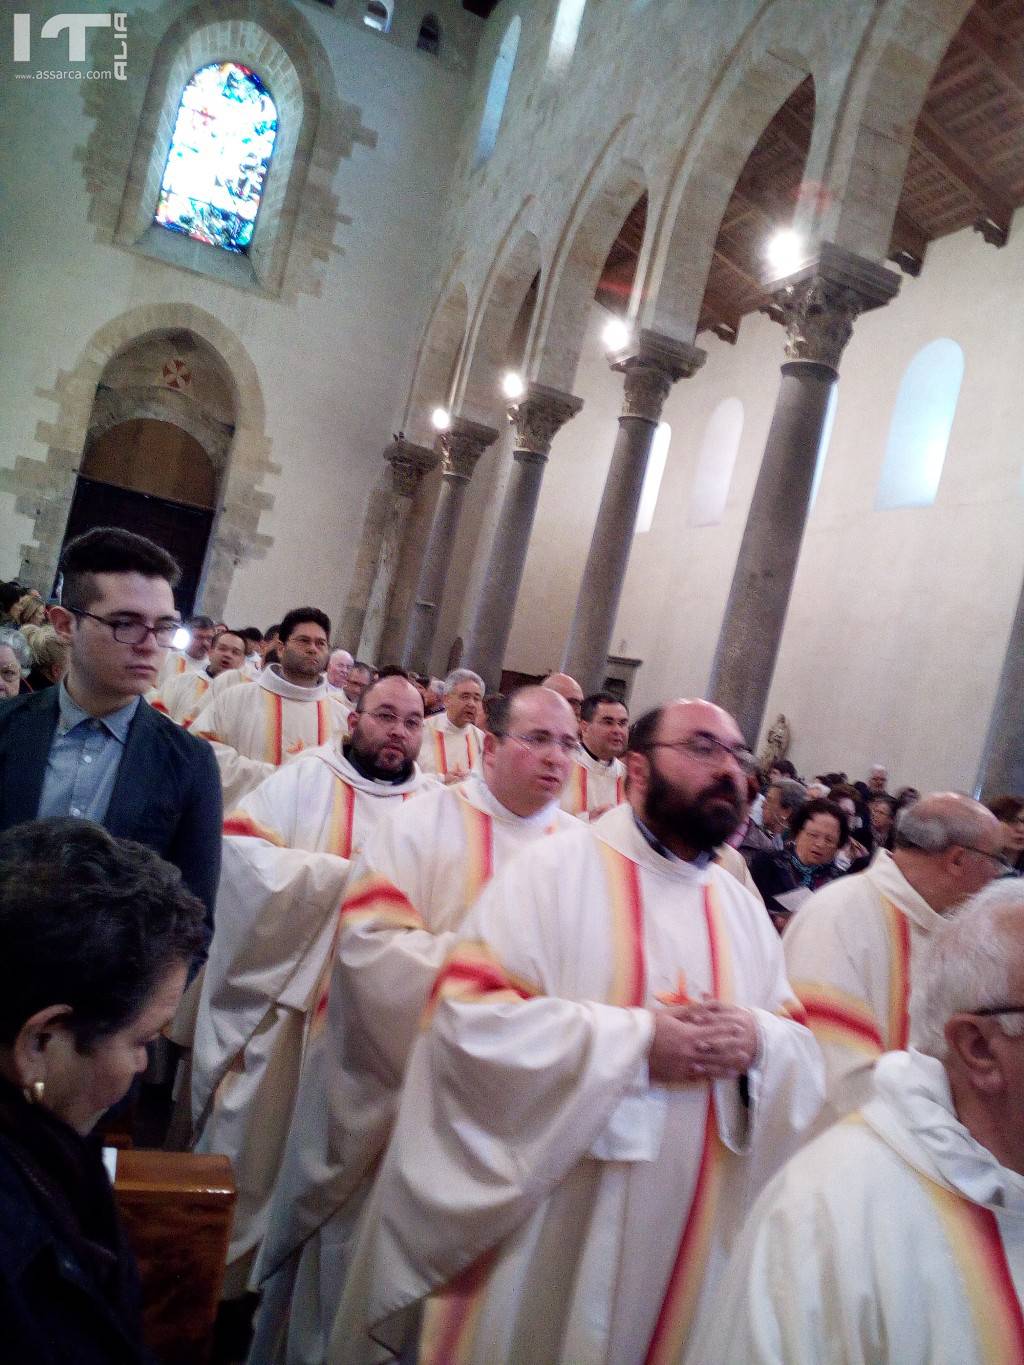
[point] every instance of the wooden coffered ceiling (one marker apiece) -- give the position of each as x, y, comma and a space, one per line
966, 169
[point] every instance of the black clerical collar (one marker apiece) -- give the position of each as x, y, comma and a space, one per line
370, 770
603, 761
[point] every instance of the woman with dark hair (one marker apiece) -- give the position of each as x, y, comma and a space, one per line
882, 810
817, 831
96, 936
1009, 811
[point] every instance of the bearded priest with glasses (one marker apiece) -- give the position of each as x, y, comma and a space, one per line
614, 1066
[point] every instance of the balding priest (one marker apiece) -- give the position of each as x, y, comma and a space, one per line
290, 708
452, 740
418, 874
611, 1071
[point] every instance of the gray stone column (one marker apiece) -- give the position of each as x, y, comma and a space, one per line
461, 445
818, 305
408, 463
1001, 771
537, 417
649, 370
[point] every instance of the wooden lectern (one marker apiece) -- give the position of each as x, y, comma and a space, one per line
177, 1210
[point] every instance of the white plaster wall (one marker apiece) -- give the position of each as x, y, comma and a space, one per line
899, 619
334, 370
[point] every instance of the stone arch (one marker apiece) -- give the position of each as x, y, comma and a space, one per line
43, 487
515, 267
866, 160
612, 187
437, 361
298, 215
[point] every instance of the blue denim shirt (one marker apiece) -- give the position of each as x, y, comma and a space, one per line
84, 759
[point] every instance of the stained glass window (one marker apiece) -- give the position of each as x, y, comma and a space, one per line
220, 149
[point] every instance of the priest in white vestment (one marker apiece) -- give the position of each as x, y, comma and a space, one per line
183, 696
287, 851
897, 1237
191, 659
598, 778
854, 948
452, 740
405, 900
290, 708
611, 1072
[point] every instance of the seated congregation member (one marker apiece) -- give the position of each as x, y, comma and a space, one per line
855, 950
452, 740
254, 730
287, 854
417, 876
50, 655
785, 796
750, 838
882, 810
598, 778
853, 851
609, 1075
15, 661
184, 695
96, 936
191, 659
817, 832
92, 747
1009, 811
898, 1239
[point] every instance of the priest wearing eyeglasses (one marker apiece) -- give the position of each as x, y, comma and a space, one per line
91, 747
611, 1071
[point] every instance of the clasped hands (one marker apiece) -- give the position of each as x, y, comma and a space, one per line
705, 1040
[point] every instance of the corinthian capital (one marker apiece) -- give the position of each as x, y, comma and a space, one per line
409, 462
650, 369
462, 445
539, 415
820, 303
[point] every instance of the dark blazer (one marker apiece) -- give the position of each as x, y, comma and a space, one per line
167, 794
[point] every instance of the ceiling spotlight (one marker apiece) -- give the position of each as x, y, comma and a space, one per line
512, 385
616, 335
786, 251
181, 638
441, 419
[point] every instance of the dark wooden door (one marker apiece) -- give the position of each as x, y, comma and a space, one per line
181, 530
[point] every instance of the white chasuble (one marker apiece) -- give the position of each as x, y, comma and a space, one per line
545, 1198
184, 696
178, 662
287, 851
892, 1239
405, 900
594, 787
256, 729
449, 751
852, 954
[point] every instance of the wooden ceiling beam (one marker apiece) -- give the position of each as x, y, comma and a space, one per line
983, 43
943, 151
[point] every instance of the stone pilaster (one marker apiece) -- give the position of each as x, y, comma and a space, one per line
1001, 770
537, 417
649, 370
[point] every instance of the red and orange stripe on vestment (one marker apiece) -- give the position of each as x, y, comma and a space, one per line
625, 900
239, 822
972, 1234
479, 831
898, 928
339, 828
274, 728
838, 1018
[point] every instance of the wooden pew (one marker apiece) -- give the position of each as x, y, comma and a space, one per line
177, 1209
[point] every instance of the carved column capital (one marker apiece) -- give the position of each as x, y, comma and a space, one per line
650, 368
819, 304
409, 462
538, 416
462, 445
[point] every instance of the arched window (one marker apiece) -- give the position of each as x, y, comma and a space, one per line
378, 15
220, 149
715, 463
653, 476
920, 426
429, 39
566, 30
497, 92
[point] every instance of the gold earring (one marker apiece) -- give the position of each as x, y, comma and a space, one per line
34, 1092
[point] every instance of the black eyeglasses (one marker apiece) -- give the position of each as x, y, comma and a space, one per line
998, 1009
705, 748
129, 632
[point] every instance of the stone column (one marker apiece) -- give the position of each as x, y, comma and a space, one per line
408, 463
1001, 771
461, 445
649, 370
536, 417
818, 306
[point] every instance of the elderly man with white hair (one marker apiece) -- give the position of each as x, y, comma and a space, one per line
338, 665
897, 1237
854, 949
452, 740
